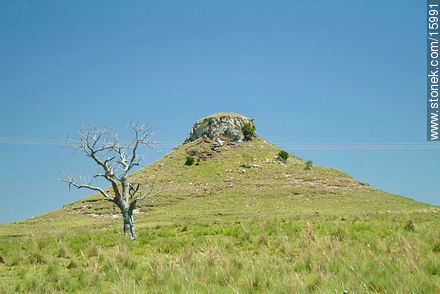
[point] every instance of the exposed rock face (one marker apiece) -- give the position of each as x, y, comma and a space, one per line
220, 128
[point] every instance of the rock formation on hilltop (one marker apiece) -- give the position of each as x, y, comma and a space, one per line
222, 127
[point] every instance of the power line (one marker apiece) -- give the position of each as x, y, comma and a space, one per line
284, 145
45, 141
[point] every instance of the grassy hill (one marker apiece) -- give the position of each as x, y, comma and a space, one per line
240, 221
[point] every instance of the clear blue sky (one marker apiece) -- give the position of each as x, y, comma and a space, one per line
306, 71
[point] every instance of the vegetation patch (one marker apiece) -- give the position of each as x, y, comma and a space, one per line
189, 160
248, 131
247, 160
294, 254
283, 155
221, 114
410, 226
200, 148
309, 165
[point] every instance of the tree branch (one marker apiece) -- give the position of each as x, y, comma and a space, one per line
147, 194
115, 159
141, 134
71, 181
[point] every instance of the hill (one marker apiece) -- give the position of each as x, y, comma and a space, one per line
238, 220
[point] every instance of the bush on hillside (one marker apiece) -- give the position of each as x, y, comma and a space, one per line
410, 227
248, 131
189, 160
309, 165
283, 155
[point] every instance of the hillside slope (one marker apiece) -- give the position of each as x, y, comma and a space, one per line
222, 185
248, 177
240, 220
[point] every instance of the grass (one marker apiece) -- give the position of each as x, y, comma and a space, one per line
370, 253
274, 228
225, 114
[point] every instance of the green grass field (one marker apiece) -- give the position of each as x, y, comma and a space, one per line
222, 227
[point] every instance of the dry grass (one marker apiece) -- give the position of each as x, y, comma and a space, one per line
275, 228
322, 254
225, 114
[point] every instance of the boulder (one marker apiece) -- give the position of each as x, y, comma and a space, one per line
220, 127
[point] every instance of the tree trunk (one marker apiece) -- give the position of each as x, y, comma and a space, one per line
127, 216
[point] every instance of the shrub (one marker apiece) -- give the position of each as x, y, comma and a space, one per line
248, 131
189, 160
309, 165
283, 155
72, 264
410, 227
198, 161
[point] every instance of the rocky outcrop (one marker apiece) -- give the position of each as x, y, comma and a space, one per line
220, 128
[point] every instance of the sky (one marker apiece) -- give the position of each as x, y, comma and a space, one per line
338, 72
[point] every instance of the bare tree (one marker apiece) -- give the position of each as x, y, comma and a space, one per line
115, 160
